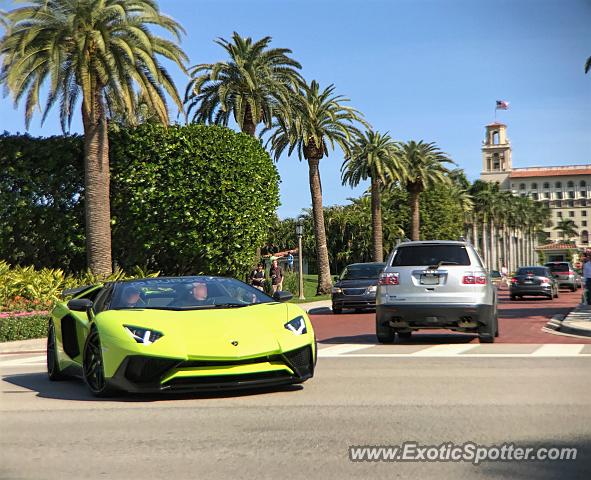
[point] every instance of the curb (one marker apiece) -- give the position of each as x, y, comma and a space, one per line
560, 324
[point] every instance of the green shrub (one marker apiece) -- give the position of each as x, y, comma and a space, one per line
290, 283
190, 199
23, 328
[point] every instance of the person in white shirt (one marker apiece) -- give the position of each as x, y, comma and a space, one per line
587, 276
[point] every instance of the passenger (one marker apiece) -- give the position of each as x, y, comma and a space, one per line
197, 295
131, 297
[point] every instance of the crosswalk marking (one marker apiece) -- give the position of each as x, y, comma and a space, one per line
341, 349
444, 350
34, 360
558, 349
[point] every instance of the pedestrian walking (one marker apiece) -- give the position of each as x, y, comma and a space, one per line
504, 276
276, 274
290, 261
257, 277
587, 275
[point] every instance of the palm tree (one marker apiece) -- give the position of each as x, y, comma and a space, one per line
103, 51
567, 228
372, 157
425, 168
248, 87
314, 120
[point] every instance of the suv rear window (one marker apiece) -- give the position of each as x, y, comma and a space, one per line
558, 267
427, 255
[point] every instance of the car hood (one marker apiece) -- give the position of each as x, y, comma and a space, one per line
212, 333
362, 283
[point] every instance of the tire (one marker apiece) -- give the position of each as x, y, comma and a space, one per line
336, 310
488, 332
93, 367
53, 367
404, 335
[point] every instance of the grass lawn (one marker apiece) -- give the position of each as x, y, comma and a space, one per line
310, 283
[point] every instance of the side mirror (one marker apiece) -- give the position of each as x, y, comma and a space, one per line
80, 304
280, 296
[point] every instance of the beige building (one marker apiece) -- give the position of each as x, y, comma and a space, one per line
565, 189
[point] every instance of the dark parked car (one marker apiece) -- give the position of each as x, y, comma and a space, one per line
533, 281
565, 274
356, 286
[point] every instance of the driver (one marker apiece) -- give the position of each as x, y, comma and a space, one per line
197, 295
131, 297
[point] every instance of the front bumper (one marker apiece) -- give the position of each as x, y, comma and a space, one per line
461, 317
137, 373
340, 300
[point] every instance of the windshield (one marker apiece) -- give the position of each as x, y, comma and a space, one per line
538, 272
428, 255
362, 272
186, 293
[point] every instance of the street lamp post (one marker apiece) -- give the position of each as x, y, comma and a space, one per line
300, 234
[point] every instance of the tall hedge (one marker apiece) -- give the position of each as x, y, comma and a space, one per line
42, 201
190, 199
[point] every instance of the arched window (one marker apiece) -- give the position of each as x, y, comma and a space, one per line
582, 183
534, 186
584, 236
558, 184
495, 137
546, 185
522, 186
570, 184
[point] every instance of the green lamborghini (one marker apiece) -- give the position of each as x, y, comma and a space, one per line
179, 334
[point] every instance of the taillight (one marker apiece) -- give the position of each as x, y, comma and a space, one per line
571, 273
545, 280
474, 278
388, 279
514, 280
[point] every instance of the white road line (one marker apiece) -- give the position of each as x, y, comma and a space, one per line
444, 350
559, 350
342, 349
36, 360
466, 355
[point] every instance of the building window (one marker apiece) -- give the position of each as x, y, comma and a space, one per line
558, 185
583, 203
584, 213
571, 194
570, 184
547, 204
558, 204
496, 162
583, 223
522, 186
559, 214
546, 185
583, 193
584, 236
583, 183
570, 204
546, 194
534, 196
571, 214
534, 186
559, 195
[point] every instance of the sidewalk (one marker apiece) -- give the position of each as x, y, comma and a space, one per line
577, 322
24, 346
321, 306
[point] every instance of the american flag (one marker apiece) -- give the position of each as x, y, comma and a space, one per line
502, 105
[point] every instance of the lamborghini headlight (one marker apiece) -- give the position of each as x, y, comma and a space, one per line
143, 335
297, 326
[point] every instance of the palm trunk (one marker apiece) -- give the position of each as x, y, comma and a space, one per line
248, 125
96, 192
475, 234
493, 246
485, 254
376, 221
414, 193
324, 280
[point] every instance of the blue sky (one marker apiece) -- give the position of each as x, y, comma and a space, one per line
420, 69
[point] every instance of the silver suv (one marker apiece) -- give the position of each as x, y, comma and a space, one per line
435, 284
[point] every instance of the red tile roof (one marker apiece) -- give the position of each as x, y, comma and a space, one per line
557, 246
551, 171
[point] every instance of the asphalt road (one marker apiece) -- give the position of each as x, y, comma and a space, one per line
359, 396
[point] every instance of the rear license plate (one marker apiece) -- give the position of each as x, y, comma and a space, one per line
528, 281
429, 279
